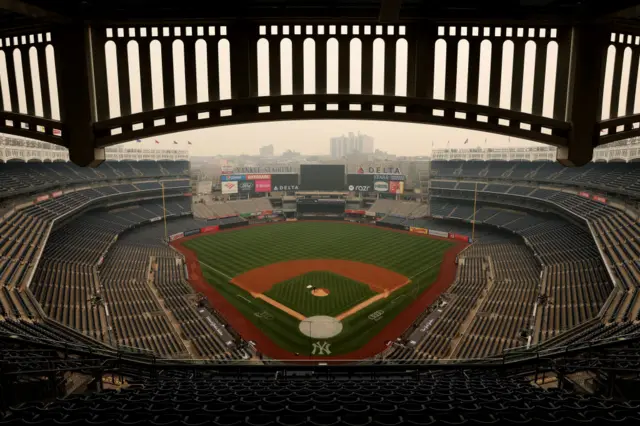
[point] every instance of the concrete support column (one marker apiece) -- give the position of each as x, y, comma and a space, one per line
584, 95
76, 88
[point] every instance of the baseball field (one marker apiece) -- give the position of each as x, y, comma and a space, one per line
317, 288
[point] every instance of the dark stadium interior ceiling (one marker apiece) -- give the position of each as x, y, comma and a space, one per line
18, 14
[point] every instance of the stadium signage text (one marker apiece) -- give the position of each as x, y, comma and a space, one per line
363, 188
379, 170
245, 186
381, 186
285, 188
389, 177
265, 169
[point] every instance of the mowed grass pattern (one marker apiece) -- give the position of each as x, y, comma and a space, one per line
235, 252
344, 293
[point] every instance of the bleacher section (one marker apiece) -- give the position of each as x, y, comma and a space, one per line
619, 178
383, 207
581, 261
209, 209
484, 311
20, 178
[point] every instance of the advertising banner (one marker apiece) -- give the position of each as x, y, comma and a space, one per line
56, 194
381, 186
372, 214
231, 178
396, 187
188, 194
584, 194
461, 237
390, 177
599, 199
284, 182
230, 187
278, 212
176, 236
359, 188
258, 177
263, 185
226, 170
191, 232
246, 215
438, 233
212, 228
42, 198
361, 212
245, 186
155, 219
418, 230
266, 212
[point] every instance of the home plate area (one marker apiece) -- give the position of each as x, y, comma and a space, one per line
319, 295
320, 327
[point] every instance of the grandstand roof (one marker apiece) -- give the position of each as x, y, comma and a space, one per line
18, 14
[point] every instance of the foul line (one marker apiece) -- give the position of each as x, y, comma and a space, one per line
215, 270
382, 295
425, 270
264, 298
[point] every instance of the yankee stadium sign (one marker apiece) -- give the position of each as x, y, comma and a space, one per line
264, 169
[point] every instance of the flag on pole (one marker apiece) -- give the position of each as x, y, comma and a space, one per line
157, 141
466, 141
189, 142
175, 143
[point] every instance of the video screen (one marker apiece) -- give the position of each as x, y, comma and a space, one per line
322, 177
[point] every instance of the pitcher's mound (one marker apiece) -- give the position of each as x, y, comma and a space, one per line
320, 292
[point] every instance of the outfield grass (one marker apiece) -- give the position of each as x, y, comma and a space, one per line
227, 254
344, 293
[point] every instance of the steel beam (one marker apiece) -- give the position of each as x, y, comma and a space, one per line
390, 10
74, 61
31, 11
584, 95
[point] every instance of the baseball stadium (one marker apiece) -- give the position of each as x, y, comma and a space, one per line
481, 266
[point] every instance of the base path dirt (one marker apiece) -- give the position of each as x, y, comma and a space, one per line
362, 305
279, 305
249, 331
261, 280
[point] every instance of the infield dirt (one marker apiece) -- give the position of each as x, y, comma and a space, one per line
261, 280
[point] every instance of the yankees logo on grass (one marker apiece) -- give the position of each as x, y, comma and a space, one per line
321, 348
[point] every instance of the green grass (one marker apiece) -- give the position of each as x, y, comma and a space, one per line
235, 252
344, 293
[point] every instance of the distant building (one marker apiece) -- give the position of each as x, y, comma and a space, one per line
342, 146
266, 151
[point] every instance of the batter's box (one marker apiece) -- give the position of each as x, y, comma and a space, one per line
263, 315
376, 316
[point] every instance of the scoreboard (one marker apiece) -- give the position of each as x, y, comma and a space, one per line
322, 177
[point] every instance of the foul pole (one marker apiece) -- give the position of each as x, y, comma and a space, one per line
473, 223
164, 213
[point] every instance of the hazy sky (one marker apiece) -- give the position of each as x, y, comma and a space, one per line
312, 137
